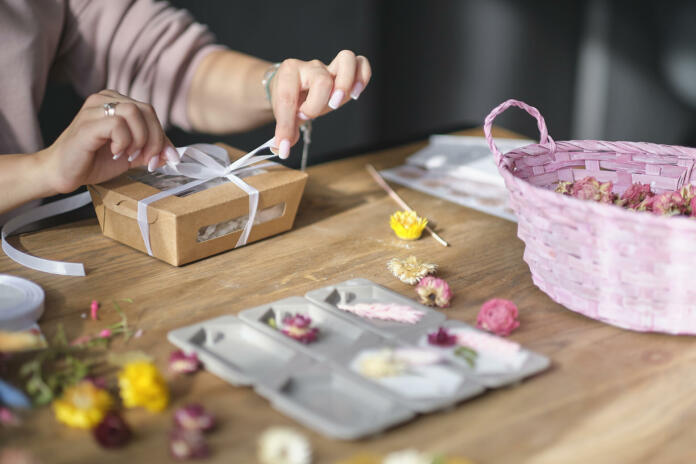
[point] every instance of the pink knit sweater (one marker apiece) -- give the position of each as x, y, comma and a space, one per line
145, 49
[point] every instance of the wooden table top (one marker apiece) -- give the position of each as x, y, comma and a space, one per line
610, 396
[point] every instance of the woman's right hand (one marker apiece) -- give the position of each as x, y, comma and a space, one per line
97, 147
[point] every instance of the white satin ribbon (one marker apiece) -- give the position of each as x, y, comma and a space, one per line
36, 214
206, 167
208, 162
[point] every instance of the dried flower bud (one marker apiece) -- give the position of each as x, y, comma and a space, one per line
194, 417
182, 363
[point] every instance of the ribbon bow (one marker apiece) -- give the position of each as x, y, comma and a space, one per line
208, 162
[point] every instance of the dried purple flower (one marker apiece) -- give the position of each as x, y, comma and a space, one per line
194, 417
442, 338
112, 431
188, 444
299, 327
182, 363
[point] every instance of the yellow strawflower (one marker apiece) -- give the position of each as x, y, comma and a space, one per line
83, 405
407, 225
142, 384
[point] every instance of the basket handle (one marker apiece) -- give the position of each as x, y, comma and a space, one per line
541, 124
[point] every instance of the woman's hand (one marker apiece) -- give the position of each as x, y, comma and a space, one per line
302, 90
97, 147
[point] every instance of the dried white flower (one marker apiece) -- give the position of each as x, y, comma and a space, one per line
408, 456
410, 270
283, 445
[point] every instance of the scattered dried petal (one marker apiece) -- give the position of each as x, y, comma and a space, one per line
407, 225
283, 445
194, 417
182, 363
93, 309
498, 316
112, 431
433, 291
384, 311
188, 444
442, 338
381, 363
410, 270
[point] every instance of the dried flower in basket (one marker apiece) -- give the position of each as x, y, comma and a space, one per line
407, 225
142, 384
182, 363
296, 326
498, 316
112, 431
194, 417
384, 311
83, 405
433, 291
668, 204
381, 363
188, 444
283, 445
442, 337
635, 196
410, 270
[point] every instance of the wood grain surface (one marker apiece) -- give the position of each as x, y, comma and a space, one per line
610, 396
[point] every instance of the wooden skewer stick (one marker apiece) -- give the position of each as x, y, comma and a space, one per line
382, 183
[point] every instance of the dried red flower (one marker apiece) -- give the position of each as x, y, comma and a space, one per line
442, 338
112, 431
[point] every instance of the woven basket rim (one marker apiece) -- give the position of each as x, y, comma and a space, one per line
601, 209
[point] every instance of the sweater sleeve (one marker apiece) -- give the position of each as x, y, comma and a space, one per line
145, 49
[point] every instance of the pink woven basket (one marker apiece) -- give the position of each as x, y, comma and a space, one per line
629, 269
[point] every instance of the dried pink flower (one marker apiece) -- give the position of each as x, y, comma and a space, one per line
442, 338
668, 204
590, 188
498, 316
433, 291
182, 363
106, 333
299, 327
635, 194
188, 444
564, 187
93, 309
194, 417
692, 204
112, 431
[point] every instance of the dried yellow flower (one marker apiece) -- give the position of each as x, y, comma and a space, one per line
83, 405
410, 270
407, 225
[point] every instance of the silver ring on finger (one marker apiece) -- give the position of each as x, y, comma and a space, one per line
110, 108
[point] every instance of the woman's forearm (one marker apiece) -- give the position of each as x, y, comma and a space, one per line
22, 180
226, 94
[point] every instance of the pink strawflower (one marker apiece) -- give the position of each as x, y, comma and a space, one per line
433, 291
635, 195
668, 204
194, 417
498, 316
182, 363
442, 338
106, 333
300, 328
188, 444
93, 309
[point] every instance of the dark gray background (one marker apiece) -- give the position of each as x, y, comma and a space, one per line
442, 65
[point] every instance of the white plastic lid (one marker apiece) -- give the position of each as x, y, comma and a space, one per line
21, 303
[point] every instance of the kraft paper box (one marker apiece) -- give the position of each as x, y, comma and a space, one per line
183, 228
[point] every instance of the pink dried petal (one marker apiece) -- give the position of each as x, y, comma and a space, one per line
442, 338
106, 333
182, 363
188, 444
433, 291
194, 417
93, 309
498, 316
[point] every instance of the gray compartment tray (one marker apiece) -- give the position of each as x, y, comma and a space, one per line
318, 384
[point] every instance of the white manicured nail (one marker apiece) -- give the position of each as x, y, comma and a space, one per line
172, 155
303, 116
357, 90
284, 149
336, 99
133, 156
152, 165
118, 155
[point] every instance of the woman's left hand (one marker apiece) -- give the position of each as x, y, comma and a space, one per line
302, 90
